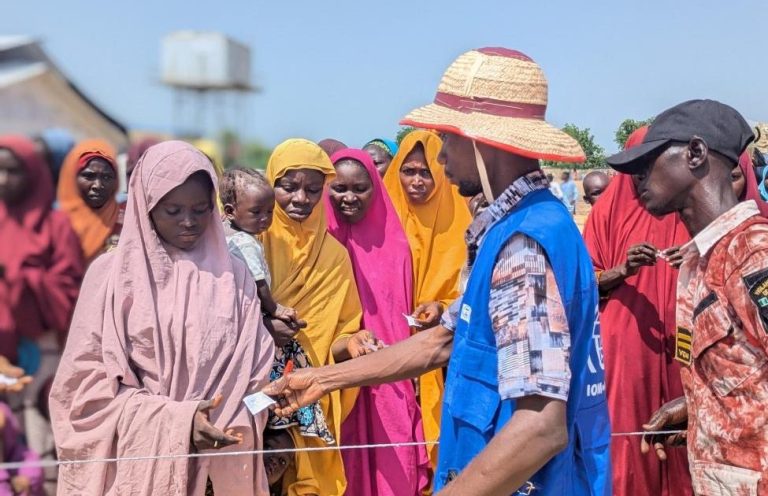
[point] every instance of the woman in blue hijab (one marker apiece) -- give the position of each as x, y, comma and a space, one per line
762, 186
381, 151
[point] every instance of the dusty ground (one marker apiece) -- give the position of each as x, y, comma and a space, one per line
582, 210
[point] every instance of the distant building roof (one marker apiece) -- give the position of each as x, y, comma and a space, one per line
35, 95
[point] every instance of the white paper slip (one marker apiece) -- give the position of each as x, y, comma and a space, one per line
375, 347
411, 321
258, 402
370, 346
7, 381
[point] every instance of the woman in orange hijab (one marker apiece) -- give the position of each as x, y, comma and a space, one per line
434, 217
86, 193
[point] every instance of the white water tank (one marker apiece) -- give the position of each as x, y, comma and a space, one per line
205, 61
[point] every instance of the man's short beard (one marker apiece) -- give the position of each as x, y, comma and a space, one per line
468, 189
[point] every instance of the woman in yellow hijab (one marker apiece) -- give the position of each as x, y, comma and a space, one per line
86, 193
434, 217
312, 273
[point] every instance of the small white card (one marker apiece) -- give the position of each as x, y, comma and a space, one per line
258, 402
412, 322
7, 381
466, 313
371, 347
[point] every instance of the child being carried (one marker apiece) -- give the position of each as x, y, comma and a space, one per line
249, 202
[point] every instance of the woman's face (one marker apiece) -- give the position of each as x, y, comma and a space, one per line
738, 181
97, 183
298, 192
14, 179
351, 191
415, 176
381, 159
182, 216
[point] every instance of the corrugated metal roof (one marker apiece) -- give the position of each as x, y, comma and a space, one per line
22, 58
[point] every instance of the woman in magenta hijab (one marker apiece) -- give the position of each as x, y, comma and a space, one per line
362, 218
166, 324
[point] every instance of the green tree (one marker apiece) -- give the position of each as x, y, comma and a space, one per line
255, 155
247, 154
595, 153
403, 133
229, 141
626, 128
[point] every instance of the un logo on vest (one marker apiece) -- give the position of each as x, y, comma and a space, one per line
595, 358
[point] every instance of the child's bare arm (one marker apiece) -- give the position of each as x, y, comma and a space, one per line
268, 304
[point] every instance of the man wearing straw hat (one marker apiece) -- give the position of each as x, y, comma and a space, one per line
524, 409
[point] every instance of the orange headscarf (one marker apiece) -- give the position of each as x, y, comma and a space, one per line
93, 227
435, 231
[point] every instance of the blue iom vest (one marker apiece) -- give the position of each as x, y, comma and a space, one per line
473, 411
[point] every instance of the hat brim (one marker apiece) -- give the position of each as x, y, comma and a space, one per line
633, 160
532, 138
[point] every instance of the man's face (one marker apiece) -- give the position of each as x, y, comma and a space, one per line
458, 157
564, 177
664, 184
594, 185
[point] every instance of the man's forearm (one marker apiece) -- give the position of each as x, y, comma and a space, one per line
612, 278
409, 358
536, 432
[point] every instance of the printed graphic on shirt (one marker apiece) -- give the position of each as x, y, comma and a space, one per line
505, 203
683, 343
450, 317
757, 285
529, 322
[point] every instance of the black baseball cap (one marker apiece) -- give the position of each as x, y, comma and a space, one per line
721, 126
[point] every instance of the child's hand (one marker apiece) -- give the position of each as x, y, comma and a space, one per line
289, 316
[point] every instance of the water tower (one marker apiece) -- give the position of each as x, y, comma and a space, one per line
210, 75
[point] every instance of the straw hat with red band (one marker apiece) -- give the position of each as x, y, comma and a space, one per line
497, 96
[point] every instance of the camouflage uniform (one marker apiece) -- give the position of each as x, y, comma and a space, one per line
722, 337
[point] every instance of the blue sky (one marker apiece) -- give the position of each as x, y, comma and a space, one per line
351, 69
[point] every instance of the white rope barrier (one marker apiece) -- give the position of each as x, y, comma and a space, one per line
645, 433
215, 454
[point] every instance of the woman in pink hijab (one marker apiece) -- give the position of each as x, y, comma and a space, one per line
166, 323
362, 218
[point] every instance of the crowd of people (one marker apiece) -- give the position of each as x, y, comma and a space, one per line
433, 296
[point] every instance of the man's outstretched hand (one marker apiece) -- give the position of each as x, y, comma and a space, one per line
294, 390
